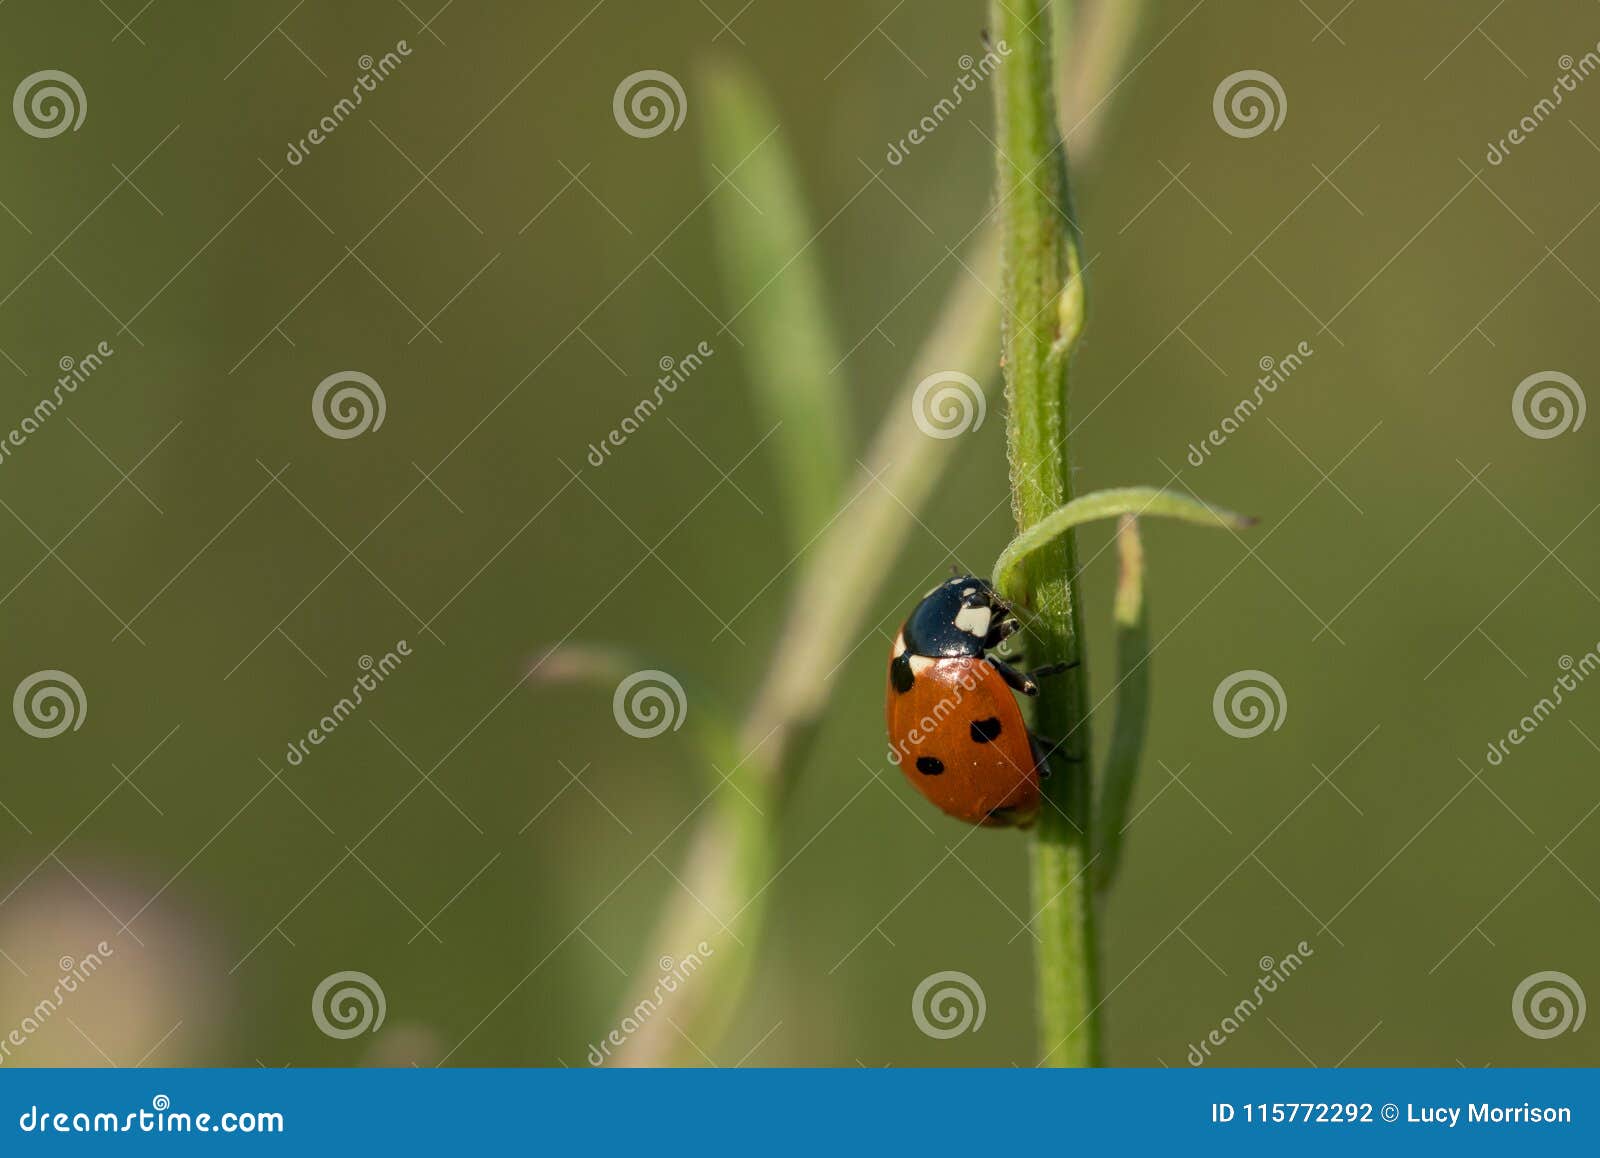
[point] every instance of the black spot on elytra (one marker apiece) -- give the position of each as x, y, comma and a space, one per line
900, 673
930, 765
985, 731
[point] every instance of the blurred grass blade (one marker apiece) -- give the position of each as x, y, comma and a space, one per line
1108, 504
901, 467
730, 859
715, 910
1121, 770
779, 299
1097, 41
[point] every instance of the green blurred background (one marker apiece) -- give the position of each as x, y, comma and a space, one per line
1421, 568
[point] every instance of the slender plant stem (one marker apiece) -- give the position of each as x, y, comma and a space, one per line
897, 473
734, 846
1043, 297
1097, 44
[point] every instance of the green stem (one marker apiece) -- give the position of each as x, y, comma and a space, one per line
1044, 307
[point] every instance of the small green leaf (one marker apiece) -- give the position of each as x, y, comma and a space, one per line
777, 295
1137, 501
1121, 769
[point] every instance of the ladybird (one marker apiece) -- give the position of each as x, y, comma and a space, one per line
954, 727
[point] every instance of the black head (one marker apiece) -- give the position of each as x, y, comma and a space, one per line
960, 617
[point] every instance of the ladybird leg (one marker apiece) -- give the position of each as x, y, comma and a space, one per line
1044, 749
1041, 750
1019, 680
1054, 748
1002, 630
1040, 673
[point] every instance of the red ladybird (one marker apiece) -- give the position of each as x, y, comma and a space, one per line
954, 726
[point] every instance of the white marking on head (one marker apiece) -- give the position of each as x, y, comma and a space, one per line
966, 592
899, 645
974, 621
